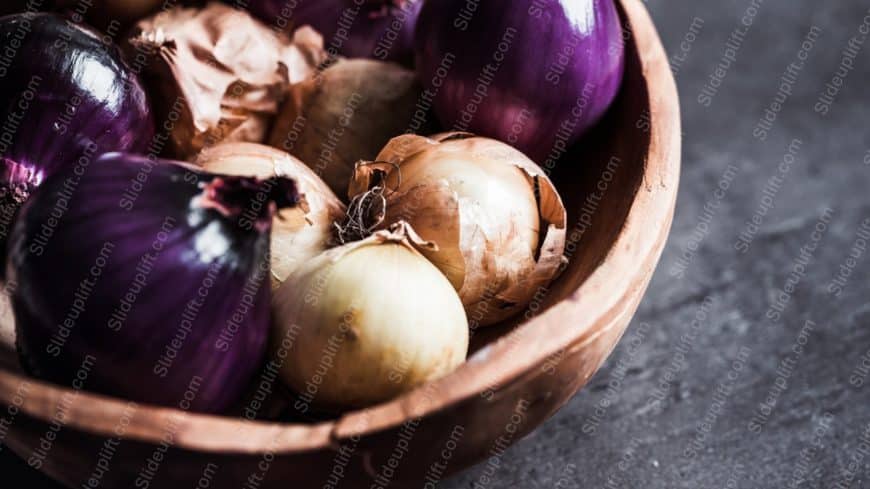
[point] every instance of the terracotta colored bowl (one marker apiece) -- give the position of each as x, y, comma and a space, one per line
619, 186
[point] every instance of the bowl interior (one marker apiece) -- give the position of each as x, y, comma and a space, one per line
598, 180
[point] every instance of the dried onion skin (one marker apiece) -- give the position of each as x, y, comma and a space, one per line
219, 73
495, 216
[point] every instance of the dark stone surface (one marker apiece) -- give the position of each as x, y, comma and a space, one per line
638, 444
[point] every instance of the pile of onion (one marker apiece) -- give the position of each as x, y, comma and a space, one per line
163, 274
495, 216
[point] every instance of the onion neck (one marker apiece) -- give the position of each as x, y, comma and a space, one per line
17, 181
251, 198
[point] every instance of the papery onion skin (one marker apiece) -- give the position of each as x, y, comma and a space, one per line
495, 216
164, 289
298, 233
535, 74
377, 314
219, 73
377, 29
64, 96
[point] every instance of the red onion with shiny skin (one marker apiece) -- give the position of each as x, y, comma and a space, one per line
156, 273
532, 73
65, 96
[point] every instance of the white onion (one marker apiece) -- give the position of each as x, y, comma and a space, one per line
369, 320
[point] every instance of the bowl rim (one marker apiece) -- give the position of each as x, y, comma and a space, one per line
630, 260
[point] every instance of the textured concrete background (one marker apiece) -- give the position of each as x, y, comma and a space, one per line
812, 432
745, 400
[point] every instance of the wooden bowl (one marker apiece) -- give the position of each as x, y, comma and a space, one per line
619, 186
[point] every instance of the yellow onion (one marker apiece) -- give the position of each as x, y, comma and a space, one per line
347, 113
495, 216
219, 74
368, 321
299, 233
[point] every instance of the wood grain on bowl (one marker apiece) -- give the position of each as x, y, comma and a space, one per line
619, 185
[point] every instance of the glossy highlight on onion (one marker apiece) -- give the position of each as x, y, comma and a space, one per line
163, 284
65, 97
532, 73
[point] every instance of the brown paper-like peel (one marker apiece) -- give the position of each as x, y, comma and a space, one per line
467, 254
219, 74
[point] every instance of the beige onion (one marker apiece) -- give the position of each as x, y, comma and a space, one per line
345, 114
368, 321
299, 233
495, 216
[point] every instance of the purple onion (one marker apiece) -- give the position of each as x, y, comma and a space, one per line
85, 100
156, 272
533, 73
65, 95
378, 29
